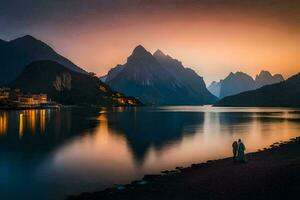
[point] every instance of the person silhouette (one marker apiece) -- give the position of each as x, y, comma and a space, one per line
234, 150
241, 151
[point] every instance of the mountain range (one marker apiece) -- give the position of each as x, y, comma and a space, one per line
158, 79
67, 86
155, 79
266, 78
283, 94
239, 82
18, 53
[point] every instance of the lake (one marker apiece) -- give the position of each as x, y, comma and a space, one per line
49, 154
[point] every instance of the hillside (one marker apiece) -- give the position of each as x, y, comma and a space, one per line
66, 86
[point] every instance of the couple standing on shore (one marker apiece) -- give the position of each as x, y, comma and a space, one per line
238, 149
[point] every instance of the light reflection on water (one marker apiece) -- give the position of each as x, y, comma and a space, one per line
48, 154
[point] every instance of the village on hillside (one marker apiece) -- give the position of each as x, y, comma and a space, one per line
16, 99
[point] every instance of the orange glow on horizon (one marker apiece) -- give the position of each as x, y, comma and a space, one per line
213, 41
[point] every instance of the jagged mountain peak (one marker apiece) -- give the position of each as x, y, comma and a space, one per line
138, 50
25, 39
281, 94
238, 82
167, 60
238, 75
279, 76
263, 74
16, 54
140, 58
31, 44
266, 78
235, 83
159, 53
159, 79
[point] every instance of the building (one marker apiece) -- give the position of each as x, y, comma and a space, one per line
35, 99
4, 96
27, 100
16, 98
40, 98
43, 98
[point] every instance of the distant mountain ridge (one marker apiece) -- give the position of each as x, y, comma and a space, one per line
20, 52
283, 94
215, 88
266, 78
239, 82
158, 79
235, 83
66, 86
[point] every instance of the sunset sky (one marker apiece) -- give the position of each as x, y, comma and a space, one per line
213, 37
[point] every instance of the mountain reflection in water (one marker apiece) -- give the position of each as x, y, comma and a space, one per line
48, 154
145, 130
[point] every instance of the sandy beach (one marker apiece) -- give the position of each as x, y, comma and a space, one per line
271, 173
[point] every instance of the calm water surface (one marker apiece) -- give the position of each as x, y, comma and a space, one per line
49, 154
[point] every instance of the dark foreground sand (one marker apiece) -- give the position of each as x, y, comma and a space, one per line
269, 174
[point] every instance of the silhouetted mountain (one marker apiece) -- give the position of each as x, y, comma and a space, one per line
239, 82
215, 88
158, 79
266, 78
66, 86
283, 94
188, 78
113, 72
236, 83
16, 54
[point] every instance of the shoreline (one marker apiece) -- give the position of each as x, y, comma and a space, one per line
64, 106
28, 108
270, 173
